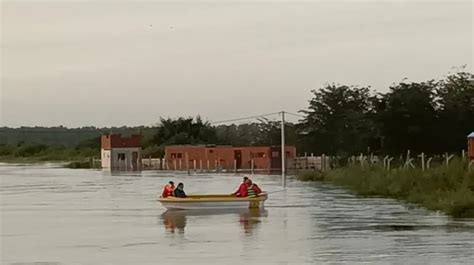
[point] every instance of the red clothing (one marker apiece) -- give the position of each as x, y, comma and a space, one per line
241, 191
167, 191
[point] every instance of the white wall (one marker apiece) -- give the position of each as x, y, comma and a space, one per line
116, 164
105, 157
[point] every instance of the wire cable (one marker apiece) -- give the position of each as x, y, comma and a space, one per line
245, 118
296, 115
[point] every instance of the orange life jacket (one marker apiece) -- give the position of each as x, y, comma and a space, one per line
167, 191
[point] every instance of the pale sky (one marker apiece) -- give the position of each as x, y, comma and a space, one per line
100, 63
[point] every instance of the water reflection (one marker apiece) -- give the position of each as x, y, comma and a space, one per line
174, 220
249, 219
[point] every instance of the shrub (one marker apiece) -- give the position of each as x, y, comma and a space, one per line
78, 164
448, 189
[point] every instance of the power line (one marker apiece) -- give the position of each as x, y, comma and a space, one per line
296, 115
245, 118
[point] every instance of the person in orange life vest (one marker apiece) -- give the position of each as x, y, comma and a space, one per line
168, 190
252, 189
242, 190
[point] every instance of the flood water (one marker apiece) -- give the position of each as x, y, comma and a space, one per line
52, 215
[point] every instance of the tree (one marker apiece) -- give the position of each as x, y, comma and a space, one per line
337, 120
408, 118
184, 131
455, 102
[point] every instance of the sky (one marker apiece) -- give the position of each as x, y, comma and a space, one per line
102, 63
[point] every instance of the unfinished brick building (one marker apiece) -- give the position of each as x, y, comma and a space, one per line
263, 158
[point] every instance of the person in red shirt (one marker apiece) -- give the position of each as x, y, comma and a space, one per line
168, 190
242, 190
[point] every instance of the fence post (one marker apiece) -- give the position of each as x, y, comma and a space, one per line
235, 165
269, 168
208, 166
422, 155
463, 155
252, 166
187, 163
471, 163
385, 161
428, 162
306, 160
448, 158
388, 163
361, 159
323, 162
408, 161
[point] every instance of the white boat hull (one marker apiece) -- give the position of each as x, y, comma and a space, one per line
213, 202
210, 205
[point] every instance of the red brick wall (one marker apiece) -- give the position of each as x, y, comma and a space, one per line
179, 152
116, 140
255, 153
290, 151
470, 144
224, 155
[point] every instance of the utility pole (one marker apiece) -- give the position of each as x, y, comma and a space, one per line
283, 151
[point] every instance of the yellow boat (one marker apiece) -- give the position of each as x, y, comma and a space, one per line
216, 201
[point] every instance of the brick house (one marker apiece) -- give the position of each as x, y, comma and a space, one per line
121, 153
227, 157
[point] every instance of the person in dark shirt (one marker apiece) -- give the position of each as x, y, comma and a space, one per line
179, 191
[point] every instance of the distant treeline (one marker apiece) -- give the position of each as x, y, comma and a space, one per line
62, 136
31, 144
434, 117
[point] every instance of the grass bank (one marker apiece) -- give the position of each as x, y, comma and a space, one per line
447, 189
